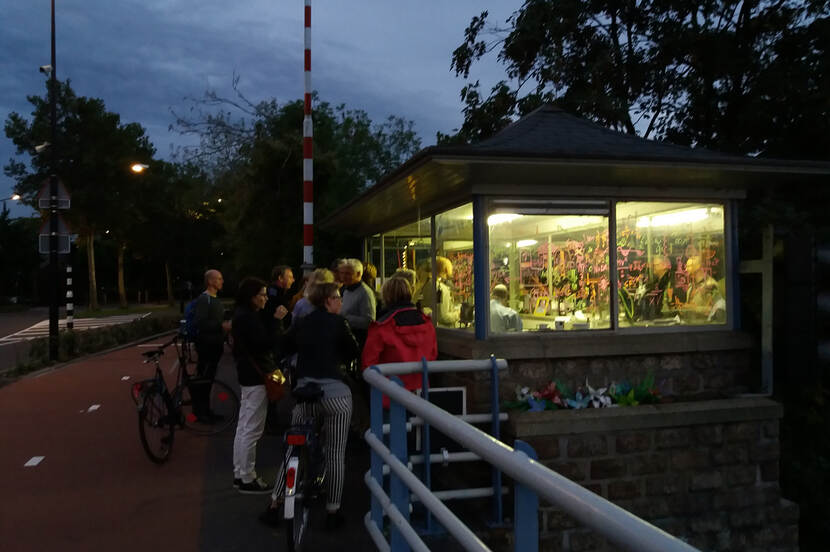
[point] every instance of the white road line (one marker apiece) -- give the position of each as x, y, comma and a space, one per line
33, 461
125, 378
41, 329
93, 408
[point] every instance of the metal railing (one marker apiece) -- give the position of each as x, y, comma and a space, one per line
532, 480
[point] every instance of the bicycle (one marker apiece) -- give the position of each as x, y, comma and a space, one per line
161, 410
305, 472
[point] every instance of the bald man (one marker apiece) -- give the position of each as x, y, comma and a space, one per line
209, 320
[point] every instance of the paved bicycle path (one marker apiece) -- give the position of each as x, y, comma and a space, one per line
94, 488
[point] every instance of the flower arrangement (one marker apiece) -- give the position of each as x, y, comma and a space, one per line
556, 395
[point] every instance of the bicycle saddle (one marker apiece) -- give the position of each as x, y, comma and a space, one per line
309, 392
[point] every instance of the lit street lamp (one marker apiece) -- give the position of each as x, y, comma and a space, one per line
13, 197
139, 168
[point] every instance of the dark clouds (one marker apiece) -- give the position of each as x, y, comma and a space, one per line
145, 57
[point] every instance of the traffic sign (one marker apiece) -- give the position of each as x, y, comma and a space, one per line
45, 194
63, 237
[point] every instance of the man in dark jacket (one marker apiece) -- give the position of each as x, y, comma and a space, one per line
279, 295
211, 327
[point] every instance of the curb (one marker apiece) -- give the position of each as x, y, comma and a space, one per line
48, 369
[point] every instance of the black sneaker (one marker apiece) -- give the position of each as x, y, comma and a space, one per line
272, 517
257, 486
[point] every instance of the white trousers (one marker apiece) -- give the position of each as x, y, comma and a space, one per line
253, 408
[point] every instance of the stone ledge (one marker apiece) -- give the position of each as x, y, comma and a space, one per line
555, 345
600, 420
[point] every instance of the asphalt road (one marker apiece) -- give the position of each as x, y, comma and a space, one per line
94, 488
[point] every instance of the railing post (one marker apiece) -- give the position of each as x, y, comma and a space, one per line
398, 491
376, 422
498, 512
425, 443
525, 509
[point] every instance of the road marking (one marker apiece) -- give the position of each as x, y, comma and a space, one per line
93, 408
125, 378
41, 329
33, 461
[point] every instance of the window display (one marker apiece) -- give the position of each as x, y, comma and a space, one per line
451, 298
671, 264
548, 272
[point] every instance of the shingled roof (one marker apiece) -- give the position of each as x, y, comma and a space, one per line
551, 132
561, 154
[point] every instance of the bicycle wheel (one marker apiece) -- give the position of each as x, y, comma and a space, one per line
296, 532
223, 407
155, 427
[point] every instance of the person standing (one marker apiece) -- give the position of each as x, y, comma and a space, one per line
279, 294
359, 306
445, 314
211, 327
323, 343
254, 344
402, 334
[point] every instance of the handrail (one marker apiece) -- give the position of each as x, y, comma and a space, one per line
614, 523
398, 368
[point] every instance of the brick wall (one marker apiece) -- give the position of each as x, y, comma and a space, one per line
693, 375
706, 472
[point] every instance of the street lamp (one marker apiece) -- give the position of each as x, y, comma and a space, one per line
13, 197
139, 168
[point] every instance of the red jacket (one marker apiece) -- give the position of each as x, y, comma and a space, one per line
403, 335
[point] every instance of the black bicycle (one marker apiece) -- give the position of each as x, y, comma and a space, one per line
305, 473
161, 410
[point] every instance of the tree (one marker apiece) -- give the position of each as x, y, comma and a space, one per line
18, 249
741, 77
255, 155
94, 149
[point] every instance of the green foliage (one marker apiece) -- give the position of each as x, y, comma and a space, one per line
75, 344
743, 77
255, 154
18, 250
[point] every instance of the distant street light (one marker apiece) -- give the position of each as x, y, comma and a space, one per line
219, 200
139, 167
13, 197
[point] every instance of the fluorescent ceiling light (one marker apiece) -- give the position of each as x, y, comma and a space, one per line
671, 219
499, 218
526, 243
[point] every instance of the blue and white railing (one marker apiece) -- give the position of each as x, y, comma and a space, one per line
532, 480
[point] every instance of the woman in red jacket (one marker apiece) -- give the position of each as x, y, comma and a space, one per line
401, 334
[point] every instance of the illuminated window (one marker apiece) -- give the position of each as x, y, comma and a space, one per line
548, 272
406, 247
451, 300
671, 263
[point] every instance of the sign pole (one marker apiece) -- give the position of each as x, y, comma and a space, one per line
53, 209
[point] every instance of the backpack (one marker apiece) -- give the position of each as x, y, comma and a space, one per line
190, 330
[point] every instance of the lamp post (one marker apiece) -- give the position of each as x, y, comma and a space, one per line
53, 205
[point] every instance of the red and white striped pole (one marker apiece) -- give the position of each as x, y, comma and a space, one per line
308, 161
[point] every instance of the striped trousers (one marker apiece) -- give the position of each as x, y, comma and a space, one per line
337, 414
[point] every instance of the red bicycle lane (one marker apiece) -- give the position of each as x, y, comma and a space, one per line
94, 489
